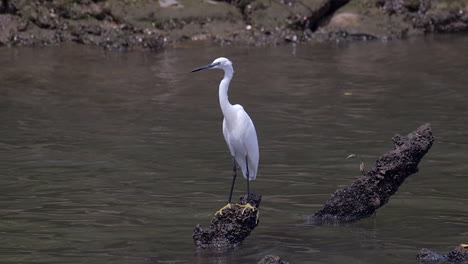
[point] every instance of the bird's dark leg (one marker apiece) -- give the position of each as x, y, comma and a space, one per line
248, 179
234, 175
247, 205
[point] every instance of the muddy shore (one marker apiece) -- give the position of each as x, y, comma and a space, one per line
155, 24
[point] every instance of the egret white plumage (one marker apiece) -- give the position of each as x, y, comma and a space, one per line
238, 129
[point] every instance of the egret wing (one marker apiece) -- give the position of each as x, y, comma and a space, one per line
226, 137
251, 144
249, 141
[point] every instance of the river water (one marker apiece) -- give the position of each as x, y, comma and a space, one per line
114, 157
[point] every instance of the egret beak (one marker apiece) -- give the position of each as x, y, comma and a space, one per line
204, 67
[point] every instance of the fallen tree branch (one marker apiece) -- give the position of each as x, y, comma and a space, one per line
373, 190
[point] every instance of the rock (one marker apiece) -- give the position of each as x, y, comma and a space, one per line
10, 26
373, 190
271, 259
6, 8
427, 256
459, 255
87, 22
231, 228
393, 19
276, 22
293, 14
149, 24
443, 18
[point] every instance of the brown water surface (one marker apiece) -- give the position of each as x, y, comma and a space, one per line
114, 157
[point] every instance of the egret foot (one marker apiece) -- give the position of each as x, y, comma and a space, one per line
220, 211
246, 206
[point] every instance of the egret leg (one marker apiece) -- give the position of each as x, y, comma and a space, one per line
248, 179
234, 175
247, 205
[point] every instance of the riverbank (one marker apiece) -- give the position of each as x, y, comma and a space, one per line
149, 24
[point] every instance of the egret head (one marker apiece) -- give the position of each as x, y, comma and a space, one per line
219, 63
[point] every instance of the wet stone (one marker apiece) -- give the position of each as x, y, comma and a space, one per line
459, 255
271, 259
229, 229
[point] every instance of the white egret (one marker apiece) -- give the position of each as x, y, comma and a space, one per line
239, 131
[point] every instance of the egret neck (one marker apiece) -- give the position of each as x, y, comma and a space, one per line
226, 106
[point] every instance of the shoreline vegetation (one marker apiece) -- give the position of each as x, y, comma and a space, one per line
156, 24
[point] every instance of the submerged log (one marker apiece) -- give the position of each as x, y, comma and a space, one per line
229, 229
458, 255
373, 190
